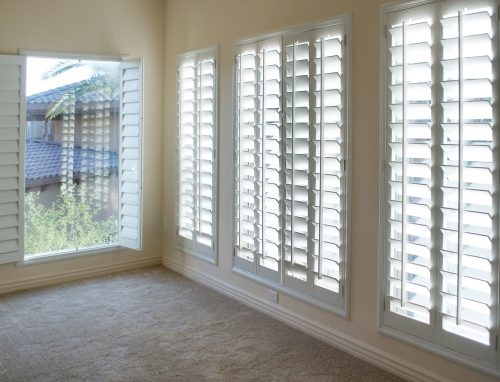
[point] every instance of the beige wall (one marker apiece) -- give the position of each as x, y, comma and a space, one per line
131, 27
193, 24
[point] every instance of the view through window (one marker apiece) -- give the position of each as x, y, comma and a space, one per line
71, 155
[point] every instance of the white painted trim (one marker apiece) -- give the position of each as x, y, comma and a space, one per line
62, 255
71, 55
60, 277
353, 346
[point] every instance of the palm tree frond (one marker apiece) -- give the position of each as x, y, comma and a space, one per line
60, 68
96, 83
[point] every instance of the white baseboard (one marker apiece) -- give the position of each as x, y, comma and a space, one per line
338, 339
61, 277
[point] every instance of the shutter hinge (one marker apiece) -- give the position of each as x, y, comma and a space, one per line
343, 165
342, 290
386, 31
234, 251
345, 40
384, 304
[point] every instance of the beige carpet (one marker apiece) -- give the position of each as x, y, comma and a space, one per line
155, 325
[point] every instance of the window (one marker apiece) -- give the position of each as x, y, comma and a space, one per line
440, 211
291, 183
196, 142
81, 143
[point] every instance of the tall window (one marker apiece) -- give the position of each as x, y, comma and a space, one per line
291, 128
70, 156
440, 233
196, 194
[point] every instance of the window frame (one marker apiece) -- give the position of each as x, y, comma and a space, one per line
346, 21
183, 244
430, 337
88, 251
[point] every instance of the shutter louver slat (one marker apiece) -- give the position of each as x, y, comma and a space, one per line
196, 153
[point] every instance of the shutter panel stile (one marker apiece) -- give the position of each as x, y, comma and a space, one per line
12, 128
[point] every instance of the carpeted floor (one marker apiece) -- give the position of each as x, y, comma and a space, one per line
155, 325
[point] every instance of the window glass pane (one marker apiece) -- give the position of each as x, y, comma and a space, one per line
72, 144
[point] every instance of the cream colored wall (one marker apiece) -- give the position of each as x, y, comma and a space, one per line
132, 27
193, 24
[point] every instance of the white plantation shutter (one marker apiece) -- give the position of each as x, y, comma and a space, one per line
315, 183
12, 127
196, 95
441, 232
290, 151
258, 158
130, 172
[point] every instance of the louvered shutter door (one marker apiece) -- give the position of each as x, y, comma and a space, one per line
258, 158
12, 128
315, 180
409, 155
130, 172
196, 152
441, 233
468, 188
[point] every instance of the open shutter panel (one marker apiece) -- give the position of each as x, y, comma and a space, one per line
12, 127
468, 189
196, 95
409, 170
258, 164
130, 183
315, 182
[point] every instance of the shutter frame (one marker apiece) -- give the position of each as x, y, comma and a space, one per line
131, 237
434, 334
193, 246
247, 265
13, 226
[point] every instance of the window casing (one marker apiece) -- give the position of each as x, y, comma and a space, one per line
439, 212
196, 153
291, 169
13, 126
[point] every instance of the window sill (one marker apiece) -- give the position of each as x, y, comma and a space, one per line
63, 255
209, 258
337, 310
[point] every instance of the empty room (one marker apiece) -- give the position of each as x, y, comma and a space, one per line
235, 190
